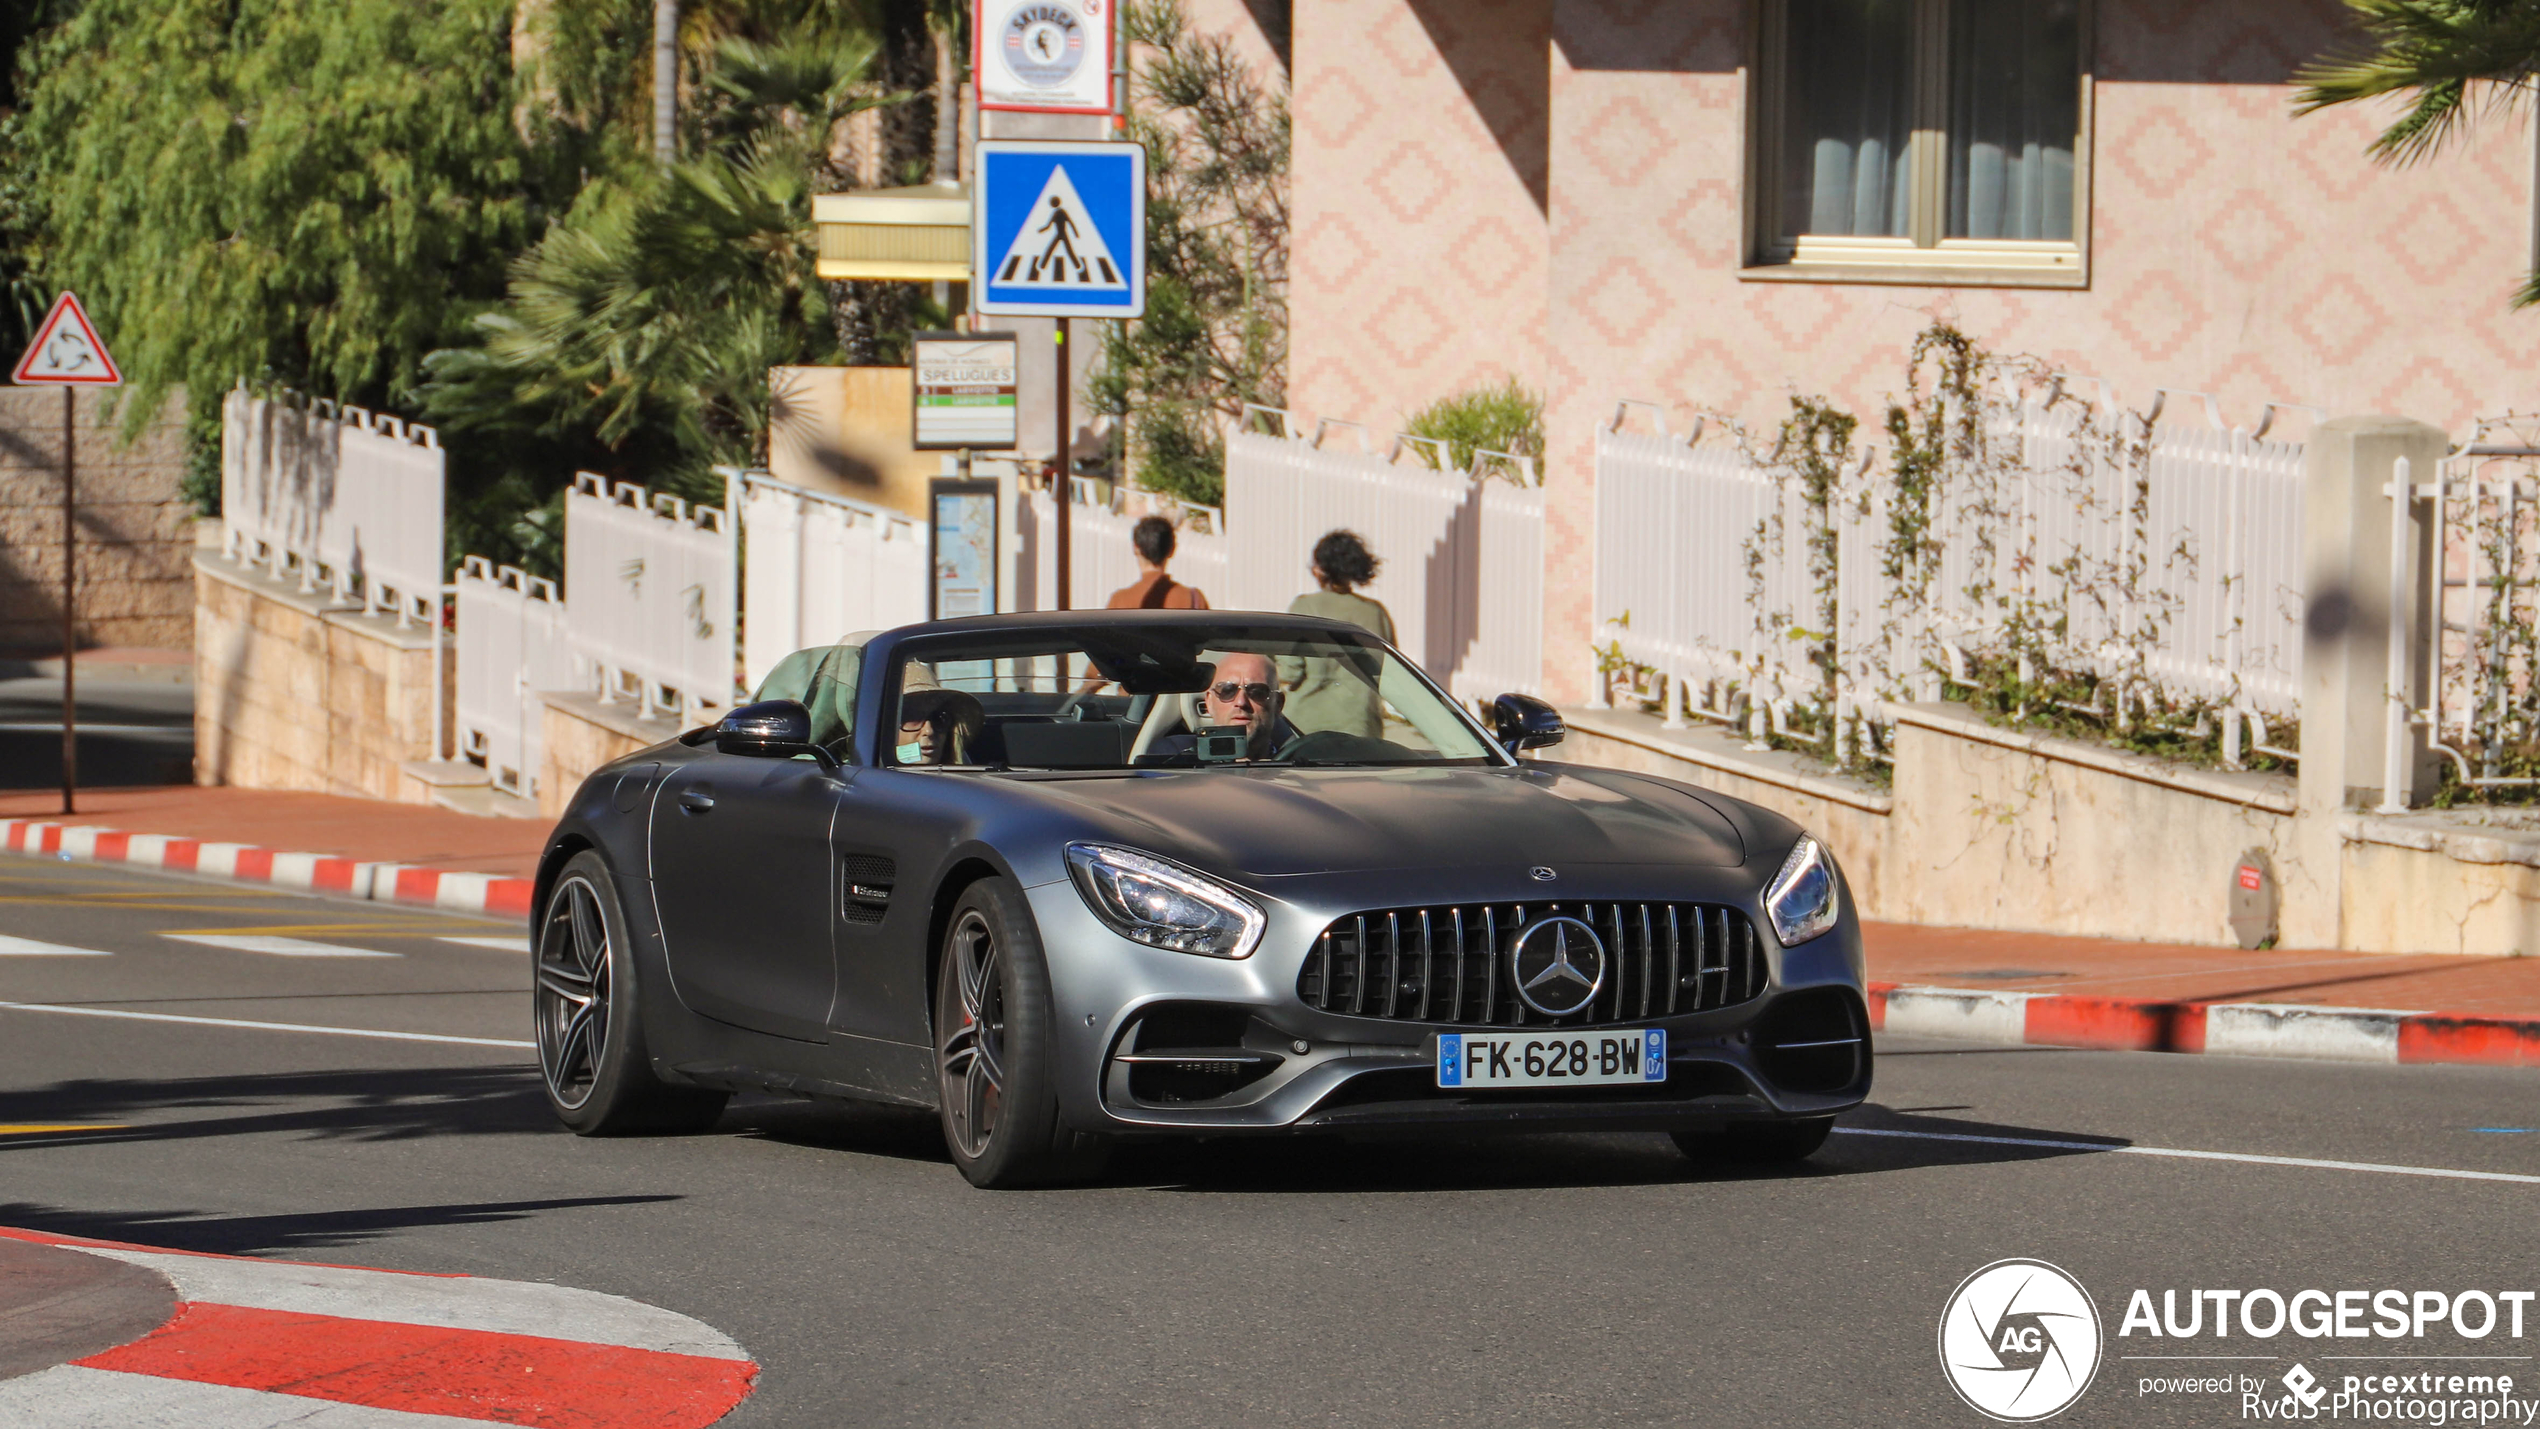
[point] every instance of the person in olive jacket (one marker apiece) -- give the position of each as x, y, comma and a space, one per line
1325, 693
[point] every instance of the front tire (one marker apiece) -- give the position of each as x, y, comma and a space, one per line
1768, 1143
992, 1049
586, 1004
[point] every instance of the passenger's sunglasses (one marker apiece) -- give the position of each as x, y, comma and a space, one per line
1258, 694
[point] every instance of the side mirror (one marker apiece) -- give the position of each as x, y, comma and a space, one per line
773, 728
1524, 722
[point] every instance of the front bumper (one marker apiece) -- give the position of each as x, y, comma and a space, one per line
1309, 1069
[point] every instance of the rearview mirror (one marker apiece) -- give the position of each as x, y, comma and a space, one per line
775, 728
1524, 722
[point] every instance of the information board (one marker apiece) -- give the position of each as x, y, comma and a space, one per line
964, 391
962, 526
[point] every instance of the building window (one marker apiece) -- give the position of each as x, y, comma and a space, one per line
1922, 140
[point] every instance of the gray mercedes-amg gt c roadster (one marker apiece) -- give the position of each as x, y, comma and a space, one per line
1072, 879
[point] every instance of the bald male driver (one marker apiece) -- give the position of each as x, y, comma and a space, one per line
1243, 693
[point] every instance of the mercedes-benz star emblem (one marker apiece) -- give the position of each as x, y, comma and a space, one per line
1560, 965
1541, 874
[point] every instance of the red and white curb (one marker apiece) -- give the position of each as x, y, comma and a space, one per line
259, 1344
316, 872
2229, 1029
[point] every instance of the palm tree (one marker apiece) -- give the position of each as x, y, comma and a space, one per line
638, 333
2452, 60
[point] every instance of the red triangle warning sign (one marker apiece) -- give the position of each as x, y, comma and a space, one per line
67, 350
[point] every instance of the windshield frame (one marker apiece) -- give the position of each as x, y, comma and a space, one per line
1054, 630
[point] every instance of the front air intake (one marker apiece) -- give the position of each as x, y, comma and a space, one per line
1817, 1040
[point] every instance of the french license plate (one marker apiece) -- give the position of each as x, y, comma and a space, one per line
1552, 1059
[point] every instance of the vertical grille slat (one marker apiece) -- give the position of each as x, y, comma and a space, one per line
1455, 1009
1674, 962
1393, 960
1358, 984
1618, 958
1648, 960
1713, 958
1428, 965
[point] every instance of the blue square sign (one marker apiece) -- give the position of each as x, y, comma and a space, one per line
1059, 229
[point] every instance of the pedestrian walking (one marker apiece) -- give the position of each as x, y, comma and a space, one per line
1326, 693
1153, 589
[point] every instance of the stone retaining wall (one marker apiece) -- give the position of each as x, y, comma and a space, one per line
1990, 828
135, 527
293, 692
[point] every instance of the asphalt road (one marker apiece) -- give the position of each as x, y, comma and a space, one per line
1552, 1280
131, 732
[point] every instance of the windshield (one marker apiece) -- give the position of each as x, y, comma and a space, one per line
1171, 697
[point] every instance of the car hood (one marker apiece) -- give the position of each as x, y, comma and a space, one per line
1270, 822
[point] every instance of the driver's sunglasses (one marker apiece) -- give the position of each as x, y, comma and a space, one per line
1258, 694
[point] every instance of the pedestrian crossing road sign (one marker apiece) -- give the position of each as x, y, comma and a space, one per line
1060, 229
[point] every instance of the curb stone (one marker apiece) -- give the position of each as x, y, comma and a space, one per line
263, 1344
245, 863
2224, 1029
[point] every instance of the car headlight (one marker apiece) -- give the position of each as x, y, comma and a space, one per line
1802, 899
1162, 904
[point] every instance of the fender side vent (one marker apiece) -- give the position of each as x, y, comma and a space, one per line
868, 882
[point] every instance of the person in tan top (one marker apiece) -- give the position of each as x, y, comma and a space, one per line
1153, 589
1325, 693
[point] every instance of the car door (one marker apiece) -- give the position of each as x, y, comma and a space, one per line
891, 837
744, 883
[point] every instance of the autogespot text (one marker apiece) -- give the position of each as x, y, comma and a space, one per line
2411, 1388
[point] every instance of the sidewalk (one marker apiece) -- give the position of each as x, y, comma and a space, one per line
2026, 988
2043, 990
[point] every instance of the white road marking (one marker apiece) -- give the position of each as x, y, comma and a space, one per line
500, 945
261, 1026
29, 948
278, 947
2249, 1158
76, 1397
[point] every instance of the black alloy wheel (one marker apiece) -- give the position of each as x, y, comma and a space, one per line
573, 992
973, 1058
992, 1049
584, 1005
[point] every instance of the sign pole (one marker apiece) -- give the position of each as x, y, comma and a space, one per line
1062, 487
70, 647
67, 353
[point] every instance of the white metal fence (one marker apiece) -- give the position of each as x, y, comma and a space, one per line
820, 568
2161, 553
347, 498
512, 645
2476, 675
650, 595
1104, 558
1463, 551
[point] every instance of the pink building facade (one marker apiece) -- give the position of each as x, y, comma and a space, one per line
1590, 195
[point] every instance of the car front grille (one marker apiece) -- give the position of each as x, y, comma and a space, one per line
1456, 964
